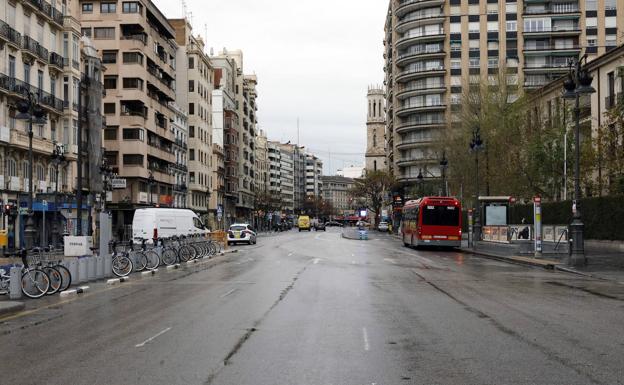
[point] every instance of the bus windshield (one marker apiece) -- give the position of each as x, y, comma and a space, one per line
440, 216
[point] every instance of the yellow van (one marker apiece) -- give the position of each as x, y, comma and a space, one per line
304, 223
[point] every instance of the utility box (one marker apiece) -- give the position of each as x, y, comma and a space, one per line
4, 238
78, 246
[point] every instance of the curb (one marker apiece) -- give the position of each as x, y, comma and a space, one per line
78, 290
526, 261
10, 307
176, 266
149, 272
117, 280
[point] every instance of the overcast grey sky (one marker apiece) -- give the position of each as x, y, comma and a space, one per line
314, 60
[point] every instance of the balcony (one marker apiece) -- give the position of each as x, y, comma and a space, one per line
414, 143
540, 49
410, 57
57, 61
406, 92
44, 8
407, 6
419, 124
411, 109
418, 19
140, 37
21, 89
412, 74
572, 30
10, 35
553, 9
409, 39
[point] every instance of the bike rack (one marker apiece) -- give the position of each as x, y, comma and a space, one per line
565, 232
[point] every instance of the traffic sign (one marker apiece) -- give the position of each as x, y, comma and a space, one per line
44, 203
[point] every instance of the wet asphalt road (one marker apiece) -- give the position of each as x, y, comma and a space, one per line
312, 308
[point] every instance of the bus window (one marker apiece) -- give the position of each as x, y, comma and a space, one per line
440, 216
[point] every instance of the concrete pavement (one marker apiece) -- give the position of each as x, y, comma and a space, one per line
315, 308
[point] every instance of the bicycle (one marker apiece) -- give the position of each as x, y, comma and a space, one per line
53, 272
153, 259
34, 281
168, 254
121, 262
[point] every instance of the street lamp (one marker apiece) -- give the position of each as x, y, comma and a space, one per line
421, 179
58, 159
150, 183
443, 166
476, 145
32, 112
579, 82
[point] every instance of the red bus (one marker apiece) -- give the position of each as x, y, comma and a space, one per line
432, 221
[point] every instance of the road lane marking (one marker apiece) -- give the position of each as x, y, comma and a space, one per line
316, 261
228, 293
290, 254
392, 261
152, 338
365, 335
353, 262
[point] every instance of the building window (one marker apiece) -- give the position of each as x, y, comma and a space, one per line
133, 83
591, 22
492, 26
133, 134
191, 131
109, 57
103, 33
132, 58
610, 21
27, 73
455, 28
191, 154
87, 7
110, 82
109, 108
473, 26
191, 108
512, 25
131, 7
110, 133
133, 159
191, 86
108, 7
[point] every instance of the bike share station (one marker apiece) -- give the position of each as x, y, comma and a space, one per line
499, 236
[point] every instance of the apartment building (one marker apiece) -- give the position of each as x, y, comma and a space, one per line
274, 156
227, 130
41, 55
287, 177
138, 47
313, 173
336, 191
375, 129
179, 126
261, 155
596, 127
435, 49
194, 86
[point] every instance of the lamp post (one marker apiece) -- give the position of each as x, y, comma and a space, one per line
58, 159
443, 166
579, 82
476, 145
150, 183
421, 181
107, 175
32, 112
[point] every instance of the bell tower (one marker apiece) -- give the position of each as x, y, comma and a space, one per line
375, 129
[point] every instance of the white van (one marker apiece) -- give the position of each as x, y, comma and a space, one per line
151, 222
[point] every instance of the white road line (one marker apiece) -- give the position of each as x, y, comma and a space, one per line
290, 254
392, 261
316, 261
228, 293
353, 262
365, 335
152, 338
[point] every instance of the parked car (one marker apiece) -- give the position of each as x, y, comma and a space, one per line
304, 223
383, 226
320, 226
241, 233
333, 224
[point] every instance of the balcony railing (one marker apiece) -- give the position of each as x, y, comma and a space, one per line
10, 34
551, 47
567, 28
554, 8
22, 89
140, 37
57, 60
47, 9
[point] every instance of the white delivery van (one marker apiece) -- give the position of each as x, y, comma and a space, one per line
163, 223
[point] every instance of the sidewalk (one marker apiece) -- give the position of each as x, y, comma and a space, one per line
8, 307
600, 264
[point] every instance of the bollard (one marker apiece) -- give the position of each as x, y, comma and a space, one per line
90, 268
15, 286
108, 266
72, 265
99, 267
82, 270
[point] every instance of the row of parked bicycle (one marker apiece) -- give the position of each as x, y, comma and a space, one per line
162, 251
44, 273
